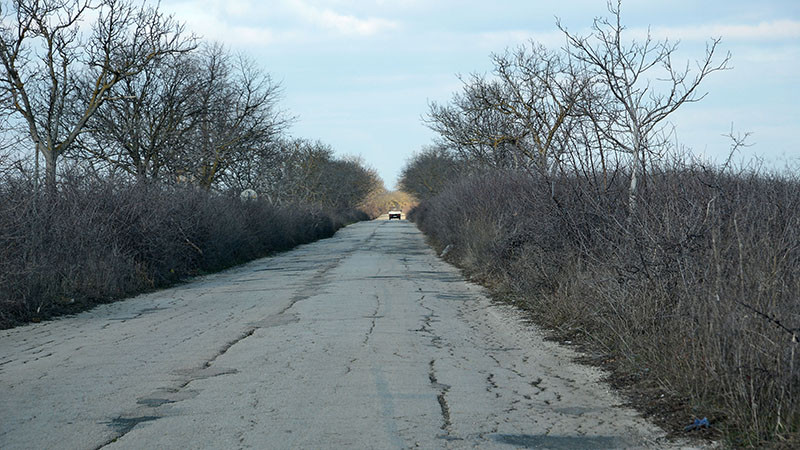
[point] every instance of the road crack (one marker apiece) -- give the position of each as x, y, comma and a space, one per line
149, 407
441, 397
374, 318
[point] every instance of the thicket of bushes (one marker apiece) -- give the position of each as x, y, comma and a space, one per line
133, 181
556, 179
694, 295
99, 240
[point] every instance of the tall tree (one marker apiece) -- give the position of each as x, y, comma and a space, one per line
642, 86
515, 116
428, 172
156, 110
238, 113
344, 183
58, 75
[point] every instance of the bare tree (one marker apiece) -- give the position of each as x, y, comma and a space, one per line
344, 183
154, 111
300, 172
480, 135
237, 103
635, 104
10, 159
303, 171
515, 117
260, 171
51, 65
538, 91
428, 172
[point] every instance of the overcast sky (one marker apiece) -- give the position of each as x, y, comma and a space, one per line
360, 74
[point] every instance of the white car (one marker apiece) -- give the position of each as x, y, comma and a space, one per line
395, 214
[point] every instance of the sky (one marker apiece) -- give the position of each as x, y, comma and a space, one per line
359, 75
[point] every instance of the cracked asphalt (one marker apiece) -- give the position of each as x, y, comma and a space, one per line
364, 340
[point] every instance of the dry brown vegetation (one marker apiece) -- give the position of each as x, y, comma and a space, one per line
101, 240
380, 201
150, 138
693, 298
555, 180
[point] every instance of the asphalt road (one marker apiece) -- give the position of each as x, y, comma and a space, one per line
364, 340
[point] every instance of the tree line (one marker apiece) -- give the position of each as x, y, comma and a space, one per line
595, 107
127, 147
113, 88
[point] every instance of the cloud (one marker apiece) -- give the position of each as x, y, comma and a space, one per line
341, 23
248, 22
776, 30
246, 35
212, 25
239, 8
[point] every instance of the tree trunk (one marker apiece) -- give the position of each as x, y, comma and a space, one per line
36, 171
50, 158
638, 152
632, 189
553, 175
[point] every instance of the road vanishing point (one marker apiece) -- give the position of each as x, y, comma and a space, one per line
363, 340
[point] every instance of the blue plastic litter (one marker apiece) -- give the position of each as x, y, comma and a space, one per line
698, 423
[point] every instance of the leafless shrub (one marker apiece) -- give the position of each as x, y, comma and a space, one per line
106, 240
697, 294
575, 205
